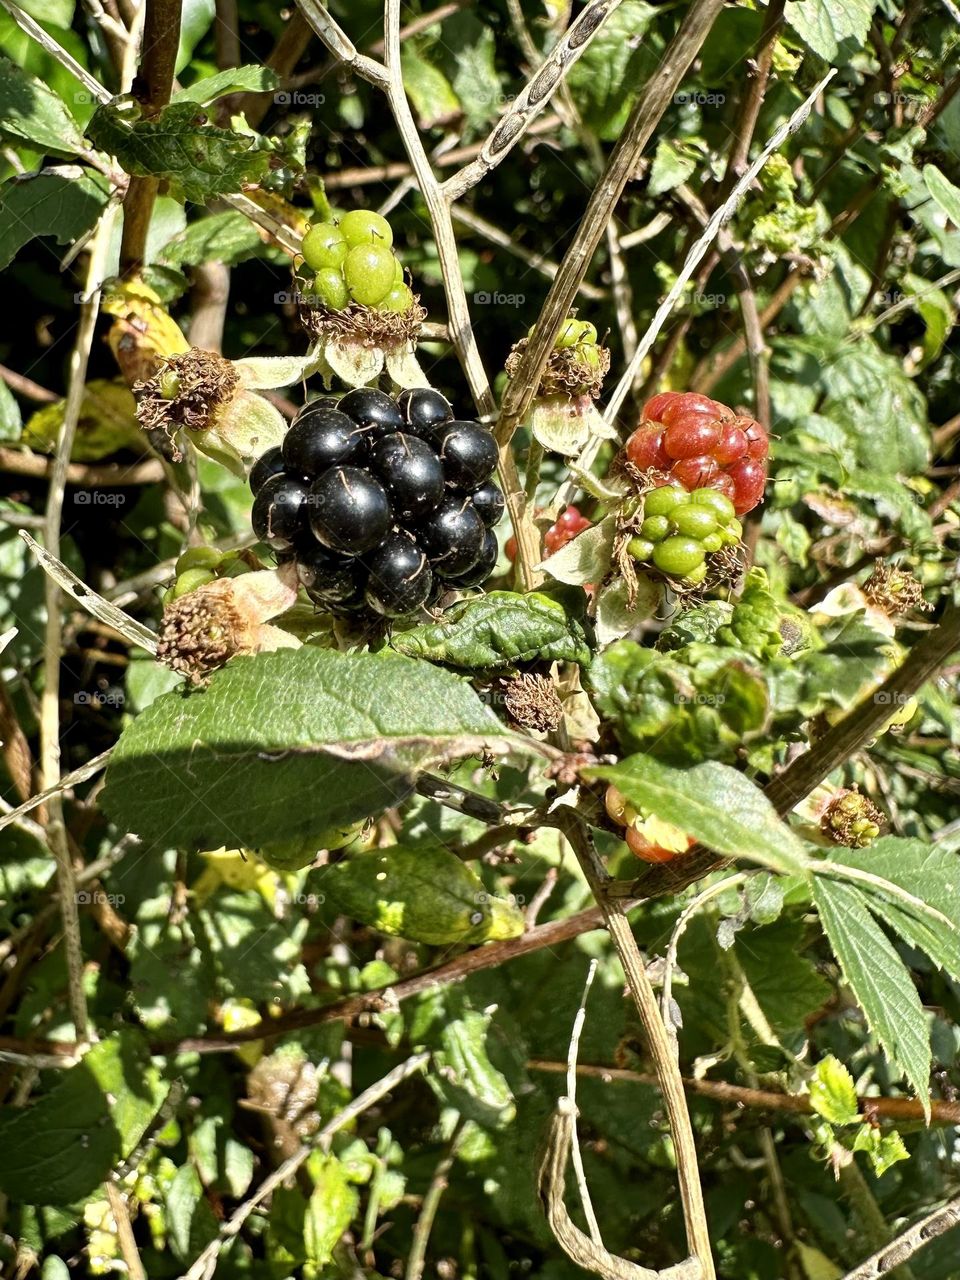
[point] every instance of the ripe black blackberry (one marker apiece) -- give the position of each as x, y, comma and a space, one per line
384, 504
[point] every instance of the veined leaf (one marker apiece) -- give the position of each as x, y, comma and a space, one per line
917, 870
946, 194
226, 237
32, 111
501, 629
879, 980
251, 79
198, 158
714, 803
61, 1148
57, 202
284, 745
823, 24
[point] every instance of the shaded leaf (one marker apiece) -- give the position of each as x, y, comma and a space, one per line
61, 1148
31, 110
232, 765
64, 203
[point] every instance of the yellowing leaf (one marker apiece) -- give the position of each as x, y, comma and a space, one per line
107, 423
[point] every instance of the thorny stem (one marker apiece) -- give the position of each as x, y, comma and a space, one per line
154, 80
658, 1040
53, 632
644, 118
431, 1203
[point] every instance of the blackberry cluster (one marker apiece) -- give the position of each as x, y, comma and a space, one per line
384, 504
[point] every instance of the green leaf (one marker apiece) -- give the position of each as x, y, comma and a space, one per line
475, 80
882, 411
712, 802
249, 79
330, 1209
923, 871
466, 1078
884, 1150
832, 1092
283, 745
32, 111
10, 419
61, 1148
431, 93
619, 60
670, 167
425, 894
226, 237
502, 629
197, 158
786, 983
944, 192
825, 24
880, 981
64, 203
189, 1220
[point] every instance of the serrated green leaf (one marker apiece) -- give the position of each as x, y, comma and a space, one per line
284, 745
923, 871
61, 1148
31, 110
63, 203
425, 894
249, 79
197, 158
884, 1150
824, 24
880, 981
502, 629
785, 982
189, 1220
832, 1092
715, 804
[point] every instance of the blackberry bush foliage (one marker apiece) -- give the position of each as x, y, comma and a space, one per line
480, 641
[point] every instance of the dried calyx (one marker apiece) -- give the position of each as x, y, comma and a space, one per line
532, 702
186, 391
894, 591
205, 628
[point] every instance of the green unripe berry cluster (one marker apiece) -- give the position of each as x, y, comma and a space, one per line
353, 261
200, 565
680, 530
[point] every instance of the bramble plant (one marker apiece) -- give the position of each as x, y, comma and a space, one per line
479, 741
